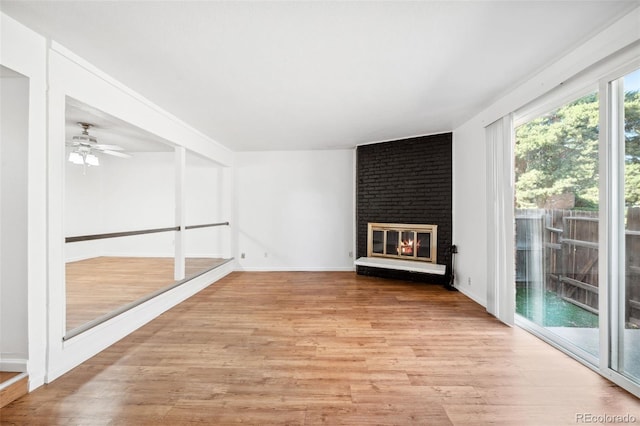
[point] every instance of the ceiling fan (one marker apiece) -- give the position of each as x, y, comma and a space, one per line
84, 146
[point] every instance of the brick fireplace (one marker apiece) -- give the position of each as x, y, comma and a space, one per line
406, 182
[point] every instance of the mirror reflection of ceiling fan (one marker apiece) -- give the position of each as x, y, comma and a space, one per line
84, 147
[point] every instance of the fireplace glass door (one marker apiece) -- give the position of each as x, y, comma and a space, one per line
403, 241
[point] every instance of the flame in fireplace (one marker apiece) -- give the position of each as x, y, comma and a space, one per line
406, 247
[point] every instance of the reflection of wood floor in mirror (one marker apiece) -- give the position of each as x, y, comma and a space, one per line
99, 285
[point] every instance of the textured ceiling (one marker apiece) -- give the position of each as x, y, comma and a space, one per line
319, 75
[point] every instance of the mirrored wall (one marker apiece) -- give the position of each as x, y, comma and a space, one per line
141, 216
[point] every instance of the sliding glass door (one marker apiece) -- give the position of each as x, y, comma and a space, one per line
577, 224
556, 222
625, 351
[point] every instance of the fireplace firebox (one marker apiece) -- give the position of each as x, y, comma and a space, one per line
403, 241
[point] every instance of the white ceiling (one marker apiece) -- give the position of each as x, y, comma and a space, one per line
316, 75
110, 130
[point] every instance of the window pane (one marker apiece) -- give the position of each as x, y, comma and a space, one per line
556, 168
629, 351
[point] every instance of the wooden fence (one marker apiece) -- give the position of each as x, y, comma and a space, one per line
557, 250
632, 266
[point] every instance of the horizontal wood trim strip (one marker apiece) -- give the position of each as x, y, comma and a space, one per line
118, 234
580, 304
586, 219
589, 287
206, 225
139, 232
580, 243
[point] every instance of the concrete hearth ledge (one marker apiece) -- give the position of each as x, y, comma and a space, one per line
402, 265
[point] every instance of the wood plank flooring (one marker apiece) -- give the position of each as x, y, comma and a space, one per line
99, 285
324, 348
14, 391
7, 375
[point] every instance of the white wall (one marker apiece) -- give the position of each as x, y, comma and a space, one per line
469, 186
294, 210
24, 51
204, 189
14, 136
469, 212
139, 194
120, 195
203, 180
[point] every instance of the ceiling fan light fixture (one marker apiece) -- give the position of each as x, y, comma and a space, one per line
92, 160
84, 145
76, 158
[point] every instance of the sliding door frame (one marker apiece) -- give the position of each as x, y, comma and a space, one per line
612, 151
605, 76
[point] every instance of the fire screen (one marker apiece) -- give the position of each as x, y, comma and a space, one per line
403, 241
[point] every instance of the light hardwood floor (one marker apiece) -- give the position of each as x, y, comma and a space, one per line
99, 285
13, 391
324, 348
6, 375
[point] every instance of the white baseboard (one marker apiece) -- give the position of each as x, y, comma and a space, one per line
472, 296
12, 365
35, 381
241, 268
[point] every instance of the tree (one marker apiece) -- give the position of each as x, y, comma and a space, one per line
558, 154
632, 148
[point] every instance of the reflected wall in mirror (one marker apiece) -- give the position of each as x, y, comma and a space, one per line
121, 199
204, 245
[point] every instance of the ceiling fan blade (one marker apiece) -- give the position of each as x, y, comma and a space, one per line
103, 147
116, 153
